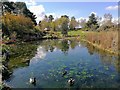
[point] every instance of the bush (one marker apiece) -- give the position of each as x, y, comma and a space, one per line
17, 24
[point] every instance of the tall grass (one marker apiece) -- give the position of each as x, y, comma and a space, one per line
106, 40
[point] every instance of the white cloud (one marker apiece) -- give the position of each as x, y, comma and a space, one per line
112, 8
13, 0
39, 11
102, 19
93, 13
115, 20
30, 2
41, 53
54, 15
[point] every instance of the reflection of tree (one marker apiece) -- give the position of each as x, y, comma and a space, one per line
46, 47
21, 54
49, 45
90, 48
117, 64
104, 57
51, 48
73, 44
64, 46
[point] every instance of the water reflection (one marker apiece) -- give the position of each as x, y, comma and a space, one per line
117, 65
27, 51
65, 46
50, 48
88, 65
41, 53
106, 59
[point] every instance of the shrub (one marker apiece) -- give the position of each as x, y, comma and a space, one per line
16, 23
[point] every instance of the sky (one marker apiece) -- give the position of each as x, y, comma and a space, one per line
77, 9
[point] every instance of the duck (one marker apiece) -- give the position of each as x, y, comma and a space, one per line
32, 80
71, 81
64, 73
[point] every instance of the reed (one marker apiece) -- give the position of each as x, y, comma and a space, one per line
105, 40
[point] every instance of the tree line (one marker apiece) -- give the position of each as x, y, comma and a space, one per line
65, 24
19, 22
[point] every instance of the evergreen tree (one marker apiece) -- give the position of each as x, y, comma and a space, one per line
92, 22
51, 18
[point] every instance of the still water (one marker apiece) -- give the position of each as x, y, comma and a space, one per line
91, 68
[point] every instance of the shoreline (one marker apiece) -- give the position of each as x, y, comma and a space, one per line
74, 37
97, 46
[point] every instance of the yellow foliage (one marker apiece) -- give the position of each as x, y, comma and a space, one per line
16, 22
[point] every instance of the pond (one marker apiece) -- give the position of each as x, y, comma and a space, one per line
48, 59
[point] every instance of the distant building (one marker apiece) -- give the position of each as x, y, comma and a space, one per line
78, 27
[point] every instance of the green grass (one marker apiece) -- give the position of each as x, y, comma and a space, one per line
72, 33
76, 33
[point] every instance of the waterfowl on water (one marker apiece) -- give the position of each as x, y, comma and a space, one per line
71, 81
32, 80
64, 73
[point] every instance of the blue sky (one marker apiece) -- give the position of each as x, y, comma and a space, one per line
77, 9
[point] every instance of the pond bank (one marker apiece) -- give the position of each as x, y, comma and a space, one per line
99, 47
74, 37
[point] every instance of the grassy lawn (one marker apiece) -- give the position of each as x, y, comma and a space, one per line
72, 33
77, 33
